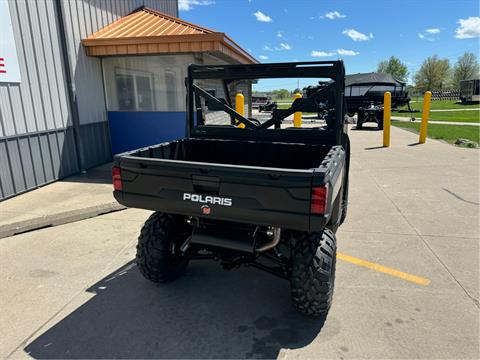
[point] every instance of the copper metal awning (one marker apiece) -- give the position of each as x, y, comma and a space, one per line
146, 31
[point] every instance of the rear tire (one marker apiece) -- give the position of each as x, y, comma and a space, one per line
160, 236
344, 203
360, 119
380, 120
313, 272
344, 211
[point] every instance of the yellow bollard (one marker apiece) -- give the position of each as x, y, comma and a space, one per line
240, 108
426, 111
297, 117
387, 111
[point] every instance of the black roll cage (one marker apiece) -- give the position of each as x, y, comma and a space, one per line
333, 70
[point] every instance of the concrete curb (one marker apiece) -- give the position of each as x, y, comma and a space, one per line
58, 219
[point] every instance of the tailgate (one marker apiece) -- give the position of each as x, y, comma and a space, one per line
263, 196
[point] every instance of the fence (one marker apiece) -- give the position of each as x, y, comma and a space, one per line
439, 95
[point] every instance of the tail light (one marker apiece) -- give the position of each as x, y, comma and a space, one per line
117, 178
319, 202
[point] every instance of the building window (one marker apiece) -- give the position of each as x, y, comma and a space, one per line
146, 83
134, 90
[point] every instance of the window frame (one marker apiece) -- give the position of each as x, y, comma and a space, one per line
117, 70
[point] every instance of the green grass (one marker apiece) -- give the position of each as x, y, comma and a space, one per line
449, 133
458, 116
444, 104
455, 116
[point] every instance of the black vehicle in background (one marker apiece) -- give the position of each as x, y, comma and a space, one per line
364, 96
370, 113
268, 106
264, 196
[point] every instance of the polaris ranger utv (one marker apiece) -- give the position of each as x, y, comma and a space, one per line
266, 196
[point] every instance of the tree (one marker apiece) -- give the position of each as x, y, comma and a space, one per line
394, 67
465, 68
282, 93
433, 74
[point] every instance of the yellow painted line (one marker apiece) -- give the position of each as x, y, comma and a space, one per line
384, 269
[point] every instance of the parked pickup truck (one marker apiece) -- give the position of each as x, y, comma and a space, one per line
265, 195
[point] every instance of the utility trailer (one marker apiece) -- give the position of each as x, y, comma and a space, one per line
470, 90
364, 96
263, 196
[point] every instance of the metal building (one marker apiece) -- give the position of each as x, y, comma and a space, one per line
54, 119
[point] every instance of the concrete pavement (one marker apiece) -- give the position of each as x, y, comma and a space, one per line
74, 198
71, 291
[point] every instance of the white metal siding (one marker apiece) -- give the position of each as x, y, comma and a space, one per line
39, 102
37, 143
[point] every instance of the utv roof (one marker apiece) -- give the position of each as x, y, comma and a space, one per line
372, 78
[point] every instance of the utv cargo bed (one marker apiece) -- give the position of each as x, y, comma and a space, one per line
262, 183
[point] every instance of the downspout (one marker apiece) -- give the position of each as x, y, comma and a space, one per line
72, 97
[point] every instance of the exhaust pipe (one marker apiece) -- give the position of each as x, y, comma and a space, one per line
277, 233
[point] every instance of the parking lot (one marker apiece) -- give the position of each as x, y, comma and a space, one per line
407, 283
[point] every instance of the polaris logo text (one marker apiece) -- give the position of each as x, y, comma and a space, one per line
207, 199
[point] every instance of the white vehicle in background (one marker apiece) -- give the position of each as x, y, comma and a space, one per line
470, 90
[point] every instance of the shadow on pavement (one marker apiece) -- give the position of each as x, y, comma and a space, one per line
99, 175
207, 313
375, 147
366, 128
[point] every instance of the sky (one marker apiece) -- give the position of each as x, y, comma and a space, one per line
362, 33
